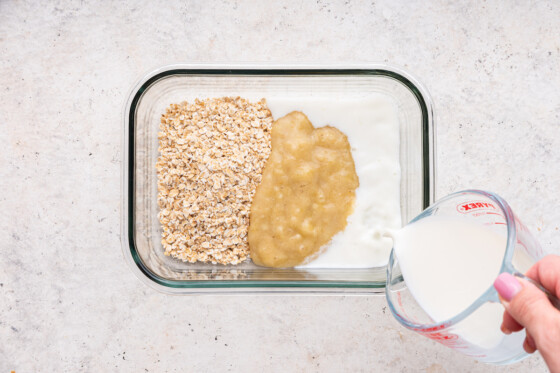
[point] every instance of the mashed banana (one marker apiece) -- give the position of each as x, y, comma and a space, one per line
306, 194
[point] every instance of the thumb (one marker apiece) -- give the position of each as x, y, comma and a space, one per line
530, 307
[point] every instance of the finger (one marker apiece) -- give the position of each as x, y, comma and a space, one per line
524, 303
530, 307
529, 344
546, 273
509, 324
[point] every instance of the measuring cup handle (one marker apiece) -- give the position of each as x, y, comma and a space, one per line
555, 301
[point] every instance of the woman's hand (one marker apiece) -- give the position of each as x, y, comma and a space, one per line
528, 307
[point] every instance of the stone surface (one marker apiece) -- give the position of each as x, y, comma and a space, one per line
68, 301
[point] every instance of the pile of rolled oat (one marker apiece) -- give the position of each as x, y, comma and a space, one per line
211, 156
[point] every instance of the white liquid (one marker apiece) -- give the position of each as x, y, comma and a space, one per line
447, 264
372, 128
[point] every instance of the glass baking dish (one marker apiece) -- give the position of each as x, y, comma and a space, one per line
172, 84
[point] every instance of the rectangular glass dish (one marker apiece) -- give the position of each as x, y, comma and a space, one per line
141, 231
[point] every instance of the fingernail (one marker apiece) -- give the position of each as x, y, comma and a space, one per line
505, 330
529, 345
507, 286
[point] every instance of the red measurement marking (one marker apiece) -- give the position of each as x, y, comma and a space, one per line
445, 338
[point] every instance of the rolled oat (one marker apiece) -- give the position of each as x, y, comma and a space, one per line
211, 156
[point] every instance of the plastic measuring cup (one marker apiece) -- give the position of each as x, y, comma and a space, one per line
468, 331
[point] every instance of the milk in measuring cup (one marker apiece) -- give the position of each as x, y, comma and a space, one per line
447, 264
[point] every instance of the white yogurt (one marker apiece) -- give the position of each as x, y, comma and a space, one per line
372, 128
447, 264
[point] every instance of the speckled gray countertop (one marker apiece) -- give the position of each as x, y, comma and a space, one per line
68, 301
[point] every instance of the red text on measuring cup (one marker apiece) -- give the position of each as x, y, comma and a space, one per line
466, 207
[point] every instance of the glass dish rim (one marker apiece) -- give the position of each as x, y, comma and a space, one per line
127, 179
